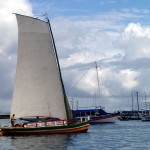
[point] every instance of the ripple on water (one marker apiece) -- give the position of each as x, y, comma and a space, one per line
123, 135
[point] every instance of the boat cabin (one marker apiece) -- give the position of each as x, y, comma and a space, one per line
88, 112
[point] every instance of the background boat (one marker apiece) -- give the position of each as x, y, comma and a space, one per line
133, 114
96, 114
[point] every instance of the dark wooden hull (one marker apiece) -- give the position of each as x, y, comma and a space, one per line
73, 128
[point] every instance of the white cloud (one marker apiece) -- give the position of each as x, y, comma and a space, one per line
8, 25
83, 57
129, 78
135, 41
8, 46
81, 40
120, 47
85, 41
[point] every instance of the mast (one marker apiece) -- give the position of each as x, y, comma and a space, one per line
145, 101
132, 101
98, 84
62, 84
137, 101
77, 105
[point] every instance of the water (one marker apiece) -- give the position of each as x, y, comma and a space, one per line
122, 135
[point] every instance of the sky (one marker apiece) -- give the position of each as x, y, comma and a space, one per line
113, 33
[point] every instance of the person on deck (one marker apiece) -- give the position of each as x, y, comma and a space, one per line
12, 119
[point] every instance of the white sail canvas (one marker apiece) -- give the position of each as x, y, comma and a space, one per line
37, 89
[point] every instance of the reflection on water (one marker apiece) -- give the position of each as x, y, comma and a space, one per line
43, 142
122, 135
39, 142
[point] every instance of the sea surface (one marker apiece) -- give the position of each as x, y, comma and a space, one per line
122, 135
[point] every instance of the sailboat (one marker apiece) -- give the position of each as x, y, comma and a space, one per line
39, 90
97, 115
145, 114
131, 114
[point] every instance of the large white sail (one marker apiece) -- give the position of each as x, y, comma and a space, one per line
37, 90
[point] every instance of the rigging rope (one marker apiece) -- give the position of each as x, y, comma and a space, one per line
81, 77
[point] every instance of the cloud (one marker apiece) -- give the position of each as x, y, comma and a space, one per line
123, 55
8, 46
135, 41
129, 78
120, 47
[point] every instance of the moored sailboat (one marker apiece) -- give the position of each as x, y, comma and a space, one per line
39, 90
131, 114
97, 115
